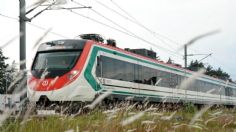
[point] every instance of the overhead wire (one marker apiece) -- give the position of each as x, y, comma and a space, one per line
139, 23
136, 22
34, 25
127, 31
106, 19
134, 36
52, 32
127, 18
219, 62
9, 17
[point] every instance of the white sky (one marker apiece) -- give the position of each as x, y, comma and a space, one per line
178, 20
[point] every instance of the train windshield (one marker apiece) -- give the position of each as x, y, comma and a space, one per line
52, 64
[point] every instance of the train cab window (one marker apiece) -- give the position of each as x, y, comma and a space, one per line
54, 63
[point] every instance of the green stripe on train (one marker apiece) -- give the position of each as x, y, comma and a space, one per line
95, 85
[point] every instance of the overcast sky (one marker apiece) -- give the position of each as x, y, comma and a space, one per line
171, 23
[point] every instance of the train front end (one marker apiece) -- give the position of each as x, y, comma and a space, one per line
56, 72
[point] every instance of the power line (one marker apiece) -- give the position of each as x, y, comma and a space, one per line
34, 25
109, 20
94, 20
42, 28
129, 32
125, 11
218, 61
135, 22
77, 3
134, 36
141, 25
6, 16
114, 23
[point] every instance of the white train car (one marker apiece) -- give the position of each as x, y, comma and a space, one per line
80, 69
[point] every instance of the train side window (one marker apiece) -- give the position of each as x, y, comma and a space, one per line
158, 77
118, 70
153, 77
165, 79
228, 91
173, 80
222, 90
128, 71
137, 73
106, 67
234, 93
145, 75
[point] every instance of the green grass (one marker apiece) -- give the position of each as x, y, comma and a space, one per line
154, 120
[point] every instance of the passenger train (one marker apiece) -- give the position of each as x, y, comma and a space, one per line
78, 70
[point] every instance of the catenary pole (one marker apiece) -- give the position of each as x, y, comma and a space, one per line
194, 40
22, 35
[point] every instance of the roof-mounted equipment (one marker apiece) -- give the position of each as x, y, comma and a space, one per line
94, 37
143, 52
111, 42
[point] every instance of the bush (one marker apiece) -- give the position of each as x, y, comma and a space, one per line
189, 108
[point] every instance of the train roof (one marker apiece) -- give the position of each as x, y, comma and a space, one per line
72, 44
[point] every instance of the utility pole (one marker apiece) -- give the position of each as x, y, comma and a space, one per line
192, 41
22, 35
22, 26
185, 56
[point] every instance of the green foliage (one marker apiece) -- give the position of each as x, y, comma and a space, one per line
6, 73
3, 66
217, 73
189, 108
11, 75
195, 65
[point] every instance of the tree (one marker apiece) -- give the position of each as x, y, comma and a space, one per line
218, 73
10, 75
195, 65
3, 79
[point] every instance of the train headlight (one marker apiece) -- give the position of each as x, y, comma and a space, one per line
72, 74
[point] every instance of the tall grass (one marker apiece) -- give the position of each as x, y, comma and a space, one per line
136, 120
